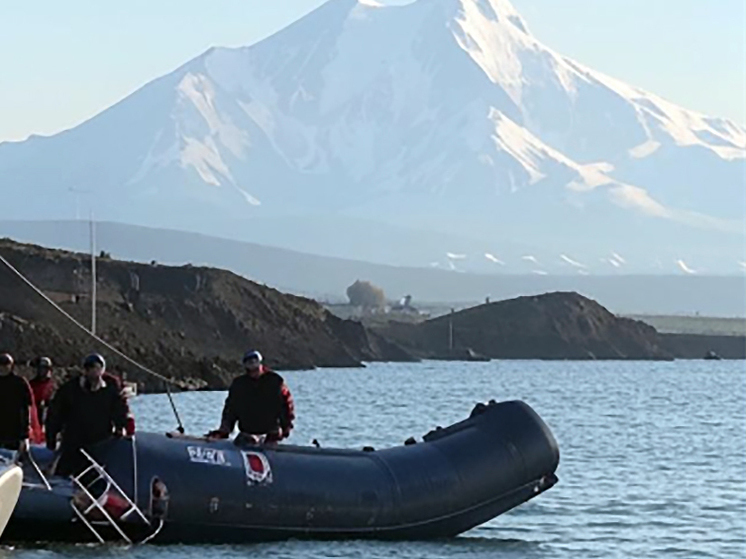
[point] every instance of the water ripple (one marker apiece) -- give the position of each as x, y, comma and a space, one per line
653, 456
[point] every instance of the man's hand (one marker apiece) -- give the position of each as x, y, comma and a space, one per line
217, 434
274, 436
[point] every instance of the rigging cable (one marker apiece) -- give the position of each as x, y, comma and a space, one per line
167, 381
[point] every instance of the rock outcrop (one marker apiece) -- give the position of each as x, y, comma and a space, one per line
699, 346
551, 326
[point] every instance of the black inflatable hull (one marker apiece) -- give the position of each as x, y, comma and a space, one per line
455, 479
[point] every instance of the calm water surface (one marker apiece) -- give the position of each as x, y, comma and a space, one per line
653, 455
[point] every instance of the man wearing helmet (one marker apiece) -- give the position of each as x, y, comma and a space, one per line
15, 406
85, 410
259, 401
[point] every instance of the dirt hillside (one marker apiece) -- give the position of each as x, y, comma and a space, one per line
189, 323
558, 325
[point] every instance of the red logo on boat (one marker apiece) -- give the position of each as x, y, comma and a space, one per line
257, 468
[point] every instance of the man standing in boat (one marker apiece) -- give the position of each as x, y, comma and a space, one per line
259, 401
15, 406
42, 387
85, 410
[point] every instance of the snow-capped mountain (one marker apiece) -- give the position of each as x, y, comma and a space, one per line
442, 115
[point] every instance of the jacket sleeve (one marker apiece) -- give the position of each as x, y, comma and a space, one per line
229, 416
121, 410
28, 400
287, 414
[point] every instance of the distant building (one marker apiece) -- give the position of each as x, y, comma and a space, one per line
405, 306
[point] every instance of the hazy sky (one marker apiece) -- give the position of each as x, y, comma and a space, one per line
62, 61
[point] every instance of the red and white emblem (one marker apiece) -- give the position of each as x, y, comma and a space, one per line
258, 470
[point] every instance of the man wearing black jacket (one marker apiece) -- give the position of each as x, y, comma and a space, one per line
15, 406
85, 410
259, 401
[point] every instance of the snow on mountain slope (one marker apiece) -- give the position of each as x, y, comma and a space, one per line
422, 113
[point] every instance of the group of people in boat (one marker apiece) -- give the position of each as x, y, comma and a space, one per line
91, 407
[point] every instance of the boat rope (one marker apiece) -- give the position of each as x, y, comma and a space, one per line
167, 381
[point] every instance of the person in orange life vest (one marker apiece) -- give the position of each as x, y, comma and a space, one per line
42, 387
15, 406
259, 401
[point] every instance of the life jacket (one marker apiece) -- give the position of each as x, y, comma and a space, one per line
36, 430
42, 389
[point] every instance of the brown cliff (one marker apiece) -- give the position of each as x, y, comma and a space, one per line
189, 323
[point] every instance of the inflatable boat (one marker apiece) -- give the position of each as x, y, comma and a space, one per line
172, 488
11, 479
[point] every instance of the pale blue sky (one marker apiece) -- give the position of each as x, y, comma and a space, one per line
62, 61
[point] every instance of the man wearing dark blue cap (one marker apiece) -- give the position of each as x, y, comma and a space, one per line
259, 401
85, 410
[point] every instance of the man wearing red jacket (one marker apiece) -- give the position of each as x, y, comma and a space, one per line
259, 401
42, 386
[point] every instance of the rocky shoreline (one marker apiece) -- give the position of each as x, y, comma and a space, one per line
192, 324
559, 325
189, 323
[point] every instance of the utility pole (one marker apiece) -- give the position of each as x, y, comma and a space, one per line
77, 192
450, 331
93, 274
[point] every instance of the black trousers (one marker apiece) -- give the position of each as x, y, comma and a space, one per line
71, 462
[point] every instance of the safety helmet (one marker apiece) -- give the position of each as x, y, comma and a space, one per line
252, 354
44, 363
6, 359
94, 359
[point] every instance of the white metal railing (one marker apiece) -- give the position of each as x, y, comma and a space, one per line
84, 513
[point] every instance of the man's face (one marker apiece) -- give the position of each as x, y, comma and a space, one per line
44, 371
6, 364
94, 372
253, 366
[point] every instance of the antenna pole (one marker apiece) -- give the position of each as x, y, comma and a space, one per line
450, 331
93, 275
